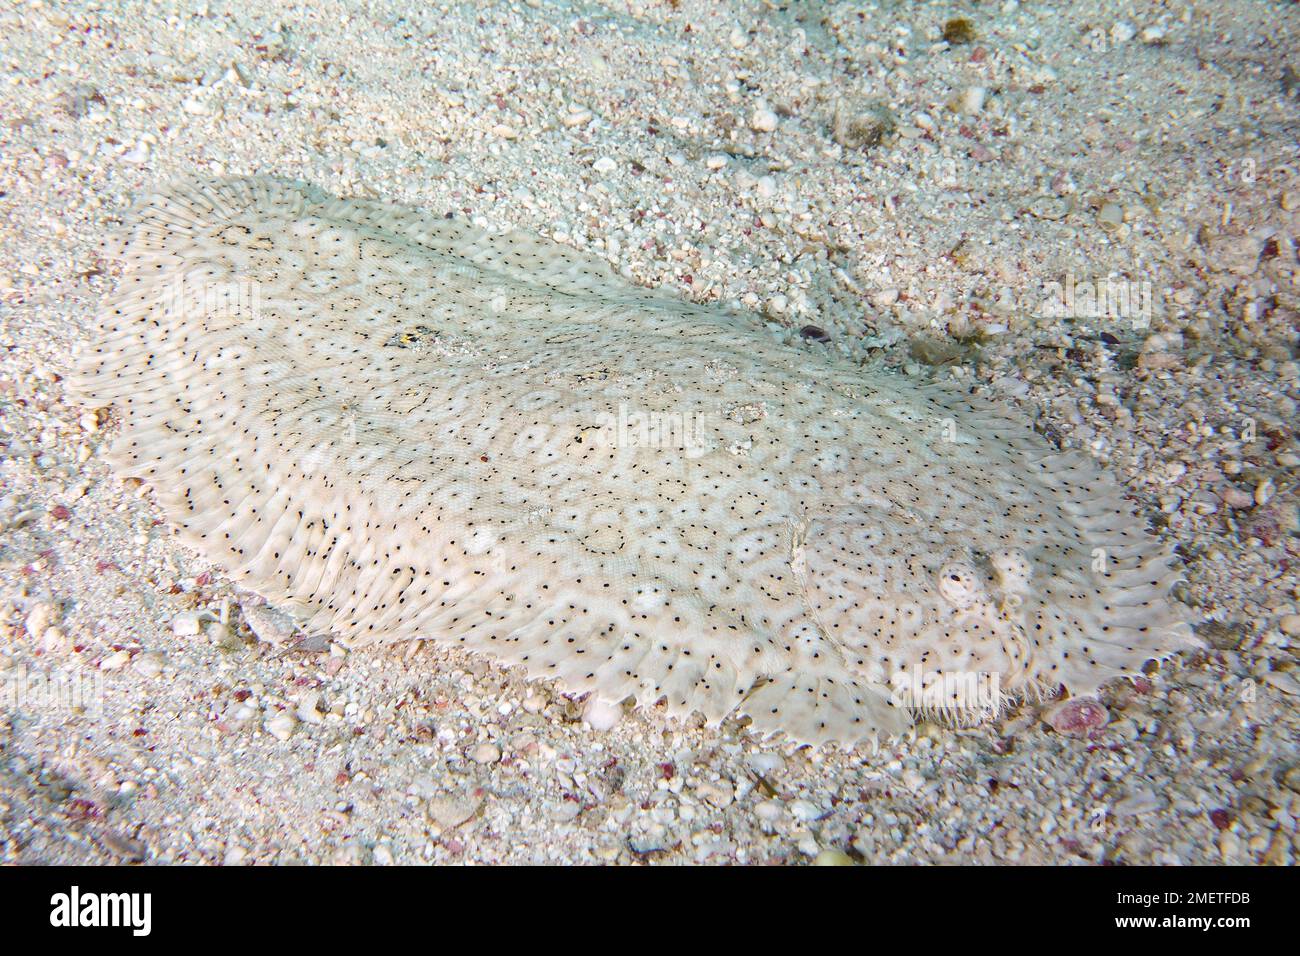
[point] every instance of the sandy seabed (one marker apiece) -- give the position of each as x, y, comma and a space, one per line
965, 208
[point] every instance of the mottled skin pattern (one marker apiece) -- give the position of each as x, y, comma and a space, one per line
403, 427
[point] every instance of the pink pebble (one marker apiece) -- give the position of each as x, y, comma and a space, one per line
1077, 717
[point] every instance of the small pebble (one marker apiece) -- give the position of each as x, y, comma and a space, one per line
450, 811
861, 126
486, 753
268, 624
958, 30
972, 100
1137, 803
1111, 216
716, 795
1285, 681
218, 633
308, 710
187, 623
54, 640
40, 617
127, 848
115, 661
149, 664
805, 810
766, 763
600, 714
833, 858
1291, 778
1264, 492
577, 117
1077, 717
1238, 498
281, 725
1123, 31
763, 120
138, 155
